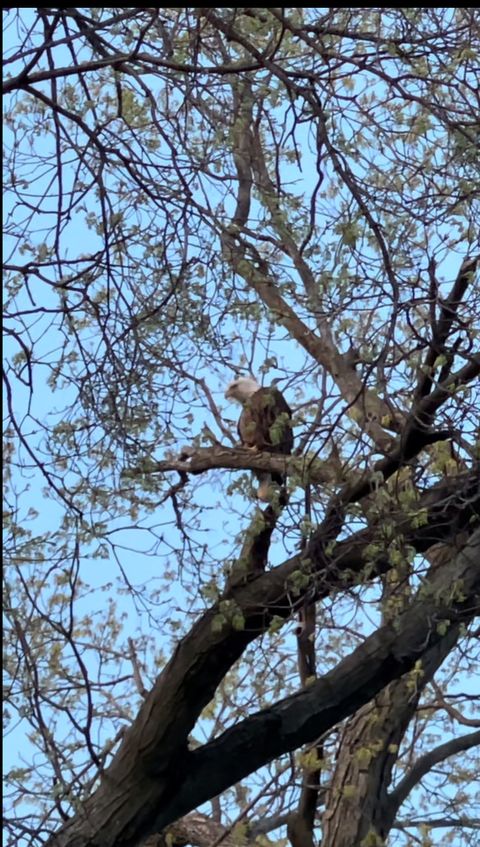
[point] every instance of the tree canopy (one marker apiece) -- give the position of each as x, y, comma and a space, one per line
190, 195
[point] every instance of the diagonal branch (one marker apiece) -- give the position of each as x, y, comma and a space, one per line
384, 656
443, 327
366, 407
425, 763
428, 405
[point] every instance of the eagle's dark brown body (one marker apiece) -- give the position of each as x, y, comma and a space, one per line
265, 424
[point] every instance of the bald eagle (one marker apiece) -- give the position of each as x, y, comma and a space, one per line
265, 423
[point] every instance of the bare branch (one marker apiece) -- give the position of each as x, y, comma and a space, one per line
425, 763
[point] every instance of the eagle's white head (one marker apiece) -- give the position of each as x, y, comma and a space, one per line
242, 388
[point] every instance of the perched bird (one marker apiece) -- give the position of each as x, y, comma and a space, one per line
265, 424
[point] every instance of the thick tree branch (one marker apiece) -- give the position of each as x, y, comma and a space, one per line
369, 750
154, 746
200, 459
304, 469
386, 655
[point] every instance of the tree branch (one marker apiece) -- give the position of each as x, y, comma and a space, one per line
196, 460
425, 763
438, 823
442, 328
386, 655
153, 749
